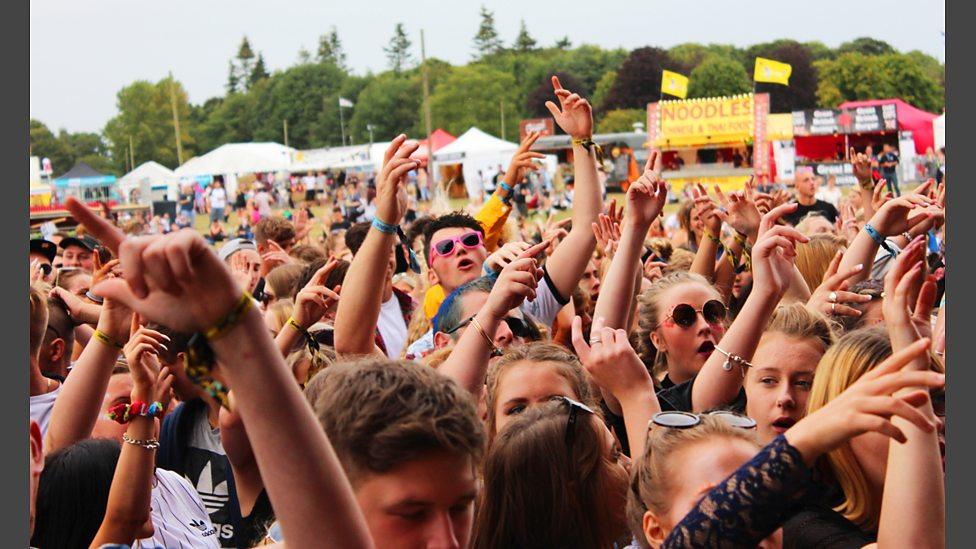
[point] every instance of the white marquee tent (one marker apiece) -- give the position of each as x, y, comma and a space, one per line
475, 150
239, 158
158, 176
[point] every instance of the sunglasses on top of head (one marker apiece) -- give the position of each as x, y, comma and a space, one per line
447, 246
685, 315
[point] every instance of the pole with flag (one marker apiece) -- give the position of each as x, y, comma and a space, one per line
674, 84
773, 72
343, 104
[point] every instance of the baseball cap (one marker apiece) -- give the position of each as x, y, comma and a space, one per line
44, 247
234, 246
86, 242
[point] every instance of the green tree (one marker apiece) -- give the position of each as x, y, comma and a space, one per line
802, 91
241, 67
233, 82
330, 49
44, 144
563, 43
391, 104
472, 96
866, 46
304, 56
486, 40
258, 73
307, 97
855, 76
524, 41
398, 51
639, 79
718, 76
603, 89
89, 148
621, 120
818, 50
229, 120
145, 115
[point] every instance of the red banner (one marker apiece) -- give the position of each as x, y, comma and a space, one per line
760, 146
542, 125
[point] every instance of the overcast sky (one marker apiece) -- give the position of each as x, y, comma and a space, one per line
82, 52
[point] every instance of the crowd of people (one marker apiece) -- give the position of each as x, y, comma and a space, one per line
757, 369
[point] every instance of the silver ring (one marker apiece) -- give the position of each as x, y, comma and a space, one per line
595, 340
833, 297
832, 307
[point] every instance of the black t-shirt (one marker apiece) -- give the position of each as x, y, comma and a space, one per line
825, 209
677, 398
888, 157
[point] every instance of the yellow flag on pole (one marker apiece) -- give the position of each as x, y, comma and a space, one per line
674, 84
775, 72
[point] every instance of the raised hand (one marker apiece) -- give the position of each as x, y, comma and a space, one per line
707, 210
391, 185
275, 257
743, 213
892, 218
516, 283
607, 233
314, 300
35, 271
774, 216
903, 283
831, 295
240, 266
142, 355
609, 358
646, 196
522, 161
880, 196
774, 257
508, 253
868, 406
862, 168
653, 269
574, 114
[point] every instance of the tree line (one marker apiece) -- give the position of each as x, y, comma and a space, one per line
501, 84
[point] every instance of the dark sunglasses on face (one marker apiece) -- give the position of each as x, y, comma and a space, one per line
447, 246
685, 315
46, 269
520, 327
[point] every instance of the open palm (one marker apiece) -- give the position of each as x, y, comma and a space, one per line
574, 114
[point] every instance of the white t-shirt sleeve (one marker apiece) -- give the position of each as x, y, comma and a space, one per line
41, 407
547, 303
178, 515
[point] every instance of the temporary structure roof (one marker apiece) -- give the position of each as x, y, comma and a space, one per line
473, 142
151, 171
239, 158
938, 130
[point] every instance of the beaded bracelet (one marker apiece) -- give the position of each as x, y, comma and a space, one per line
125, 412
101, 336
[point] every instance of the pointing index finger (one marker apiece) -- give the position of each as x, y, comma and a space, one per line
104, 231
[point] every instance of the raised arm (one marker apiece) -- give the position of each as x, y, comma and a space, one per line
311, 303
645, 201
913, 504
704, 262
493, 215
891, 219
568, 261
359, 309
127, 512
616, 368
773, 261
178, 281
468, 362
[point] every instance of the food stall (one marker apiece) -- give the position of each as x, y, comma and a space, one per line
716, 140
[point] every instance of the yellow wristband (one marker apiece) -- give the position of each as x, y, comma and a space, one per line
101, 336
228, 322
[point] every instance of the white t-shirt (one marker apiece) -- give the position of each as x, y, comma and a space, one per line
828, 195
218, 198
392, 327
40, 408
263, 202
178, 515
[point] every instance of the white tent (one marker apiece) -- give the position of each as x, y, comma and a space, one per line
476, 151
938, 131
239, 158
159, 177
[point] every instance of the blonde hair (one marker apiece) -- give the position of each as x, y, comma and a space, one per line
283, 279
649, 310
813, 258
797, 320
680, 261
650, 485
853, 355
38, 318
566, 364
279, 311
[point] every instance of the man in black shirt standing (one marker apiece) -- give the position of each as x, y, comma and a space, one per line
806, 190
888, 160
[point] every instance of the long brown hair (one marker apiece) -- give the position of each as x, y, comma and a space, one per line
540, 493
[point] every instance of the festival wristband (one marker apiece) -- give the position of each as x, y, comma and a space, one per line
713, 238
875, 236
101, 336
221, 328
589, 144
383, 226
94, 298
125, 412
505, 187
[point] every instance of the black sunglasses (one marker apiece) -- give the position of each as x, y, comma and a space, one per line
46, 269
520, 327
687, 420
684, 315
575, 407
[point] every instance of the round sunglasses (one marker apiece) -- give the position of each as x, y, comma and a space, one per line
685, 315
686, 420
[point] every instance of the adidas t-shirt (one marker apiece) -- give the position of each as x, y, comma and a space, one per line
208, 470
178, 516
